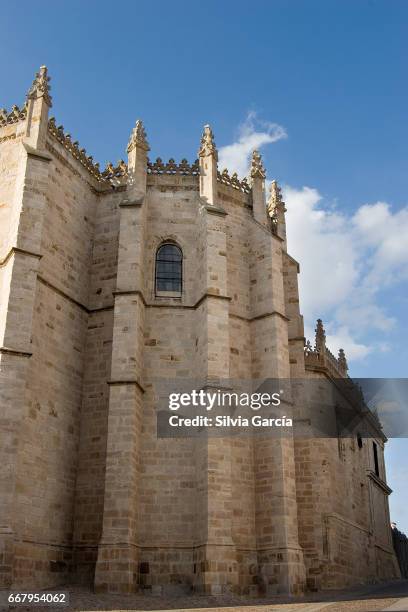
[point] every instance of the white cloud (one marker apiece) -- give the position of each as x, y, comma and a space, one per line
346, 260
252, 134
319, 240
386, 233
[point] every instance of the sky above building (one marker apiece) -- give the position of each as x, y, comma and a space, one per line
319, 87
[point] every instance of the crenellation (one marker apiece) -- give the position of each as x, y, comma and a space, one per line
14, 116
171, 167
65, 140
320, 356
233, 181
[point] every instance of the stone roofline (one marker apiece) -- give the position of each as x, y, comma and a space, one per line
320, 359
111, 174
320, 356
38, 131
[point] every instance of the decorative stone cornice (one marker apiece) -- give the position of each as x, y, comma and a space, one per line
320, 356
257, 167
73, 147
16, 114
115, 172
40, 87
138, 138
323, 361
233, 181
184, 168
207, 144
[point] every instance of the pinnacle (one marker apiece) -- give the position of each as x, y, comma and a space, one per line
207, 144
138, 137
257, 167
342, 360
40, 87
320, 337
275, 202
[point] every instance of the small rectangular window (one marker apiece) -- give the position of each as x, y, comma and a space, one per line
376, 466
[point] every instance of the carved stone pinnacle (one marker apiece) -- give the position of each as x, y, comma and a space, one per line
257, 167
40, 87
320, 338
275, 202
342, 360
138, 138
207, 144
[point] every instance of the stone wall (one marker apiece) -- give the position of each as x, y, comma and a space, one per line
88, 490
49, 432
89, 497
10, 151
400, 542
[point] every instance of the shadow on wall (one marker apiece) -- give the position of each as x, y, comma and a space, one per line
400, 542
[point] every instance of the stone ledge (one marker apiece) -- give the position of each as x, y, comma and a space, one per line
36, 153
62, 294
5, 350
261, 316
379, 482
270, 314
215, 210
135, 203
115, 383
18, 251
129, 292
89, 311
137, 292
211, 295
292, 260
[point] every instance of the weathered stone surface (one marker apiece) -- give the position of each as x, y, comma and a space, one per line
87, 490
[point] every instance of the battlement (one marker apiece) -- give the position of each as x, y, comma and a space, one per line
320, 357
14, 116
65, 139
233, 181
183, 168
120, 175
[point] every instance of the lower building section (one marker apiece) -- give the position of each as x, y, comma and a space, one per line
205, 570
350, 556
117, 568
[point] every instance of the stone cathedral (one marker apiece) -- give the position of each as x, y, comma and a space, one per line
110, 280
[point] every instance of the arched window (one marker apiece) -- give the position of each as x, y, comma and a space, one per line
169, 269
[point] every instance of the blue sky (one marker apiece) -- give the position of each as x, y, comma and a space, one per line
319, 86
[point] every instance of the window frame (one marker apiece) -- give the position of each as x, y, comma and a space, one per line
164, 292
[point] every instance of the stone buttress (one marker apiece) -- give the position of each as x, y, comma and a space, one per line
88, 491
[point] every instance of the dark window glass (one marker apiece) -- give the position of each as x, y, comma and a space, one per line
169, 268
376, 466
